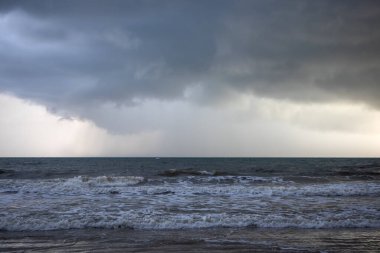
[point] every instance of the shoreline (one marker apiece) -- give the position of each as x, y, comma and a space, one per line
193, 240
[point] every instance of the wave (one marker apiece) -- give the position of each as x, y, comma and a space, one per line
234, 180
3, 171
185, 202
192, 172
358, 173
149, 219
75, 185
371, 170
249, 186
108, 180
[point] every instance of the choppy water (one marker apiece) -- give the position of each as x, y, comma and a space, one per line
189, 193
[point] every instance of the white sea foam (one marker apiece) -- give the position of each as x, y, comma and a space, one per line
136, 202
139, 185
236, 180
149, 219
75, 185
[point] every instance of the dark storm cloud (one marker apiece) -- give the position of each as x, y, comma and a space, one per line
306, 50
70, 55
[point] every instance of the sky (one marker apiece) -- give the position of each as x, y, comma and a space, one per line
190, 78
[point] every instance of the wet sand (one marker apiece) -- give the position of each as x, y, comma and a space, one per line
193, 240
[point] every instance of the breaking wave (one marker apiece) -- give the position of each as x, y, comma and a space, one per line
149, 219
134, 202
192, 172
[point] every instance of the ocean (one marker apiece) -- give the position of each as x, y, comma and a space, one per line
190, 204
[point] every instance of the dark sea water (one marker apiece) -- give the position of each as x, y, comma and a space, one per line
190, 204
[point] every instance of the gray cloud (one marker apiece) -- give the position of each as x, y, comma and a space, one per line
74, 55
